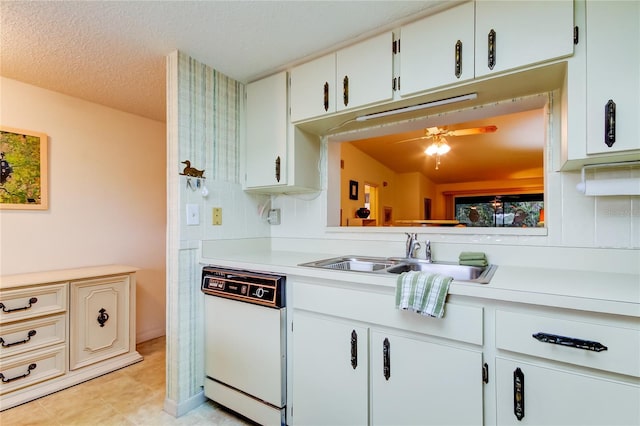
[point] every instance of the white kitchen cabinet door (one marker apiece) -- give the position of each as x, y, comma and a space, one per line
438, 50
524, 33
364, 73
313, 88
551, 396
327, 388
99, 320
266, 143
421, 383
613, 73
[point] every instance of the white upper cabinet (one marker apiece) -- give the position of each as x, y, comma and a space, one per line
515, 34
267, 131
438, 50
364, 73
613, 74
313, 88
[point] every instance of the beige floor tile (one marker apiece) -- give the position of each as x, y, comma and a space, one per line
132, 396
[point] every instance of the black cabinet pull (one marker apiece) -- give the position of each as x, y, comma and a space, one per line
345, 90
30, 334
354, 349
278, 168
491, 50
29, 369
386, 359
518, 393
326, 96
103, 317
610, 123
485, 373
570, 341
458, 59
24, 308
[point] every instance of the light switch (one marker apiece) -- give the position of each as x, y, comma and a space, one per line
193, 214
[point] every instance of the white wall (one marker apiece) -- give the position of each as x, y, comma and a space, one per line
107, 194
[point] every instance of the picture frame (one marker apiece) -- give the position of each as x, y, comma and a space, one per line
353, 190
23, 169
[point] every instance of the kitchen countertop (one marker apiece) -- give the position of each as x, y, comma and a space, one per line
572, 289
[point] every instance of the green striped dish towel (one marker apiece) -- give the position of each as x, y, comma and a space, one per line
422, 292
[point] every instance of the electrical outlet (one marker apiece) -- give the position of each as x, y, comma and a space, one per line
274, 217
217, 215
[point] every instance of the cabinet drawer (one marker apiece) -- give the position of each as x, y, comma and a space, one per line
33, 367
33, 334
460, 322
514, 332
31, 302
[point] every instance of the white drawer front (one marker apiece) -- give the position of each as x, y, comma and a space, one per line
460, 322
34, 334
514, 332
33, 367
31, 302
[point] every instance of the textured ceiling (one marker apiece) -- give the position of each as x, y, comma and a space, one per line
113, 52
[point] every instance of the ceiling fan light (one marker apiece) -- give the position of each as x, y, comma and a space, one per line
443, 149
431, 149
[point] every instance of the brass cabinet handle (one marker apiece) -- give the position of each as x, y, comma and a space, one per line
491, 59
610, 123
518, 394
458, 59
345, 90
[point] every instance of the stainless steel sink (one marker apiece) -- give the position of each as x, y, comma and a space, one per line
353, 263
398, 265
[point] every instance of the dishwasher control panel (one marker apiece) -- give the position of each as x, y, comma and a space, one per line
259, 288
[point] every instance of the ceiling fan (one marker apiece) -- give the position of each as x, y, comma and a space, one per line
439, 146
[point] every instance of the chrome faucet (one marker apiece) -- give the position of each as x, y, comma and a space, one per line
427, 250
412, 245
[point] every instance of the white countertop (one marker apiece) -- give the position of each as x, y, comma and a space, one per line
583, 290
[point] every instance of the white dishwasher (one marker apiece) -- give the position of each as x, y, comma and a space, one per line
245, 342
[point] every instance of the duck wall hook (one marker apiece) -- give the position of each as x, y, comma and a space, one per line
192, 171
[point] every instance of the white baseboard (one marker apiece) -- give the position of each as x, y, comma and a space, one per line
179, 409
143, 336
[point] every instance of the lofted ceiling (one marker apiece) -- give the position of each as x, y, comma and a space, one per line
113, 52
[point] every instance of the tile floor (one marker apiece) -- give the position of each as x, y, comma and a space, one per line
131, 396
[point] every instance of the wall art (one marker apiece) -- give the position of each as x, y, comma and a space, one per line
23, 169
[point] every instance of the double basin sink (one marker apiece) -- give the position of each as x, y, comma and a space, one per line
398, 265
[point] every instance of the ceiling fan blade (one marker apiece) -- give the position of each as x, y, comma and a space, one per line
413, 139
472, 131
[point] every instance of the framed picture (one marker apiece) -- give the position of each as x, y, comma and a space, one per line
23, 169
353, 190
388, 216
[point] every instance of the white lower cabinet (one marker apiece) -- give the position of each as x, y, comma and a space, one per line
61, 328
538, 394
414, 382
100, 320
330, 371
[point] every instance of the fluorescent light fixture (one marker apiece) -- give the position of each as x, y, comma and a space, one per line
418, 107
